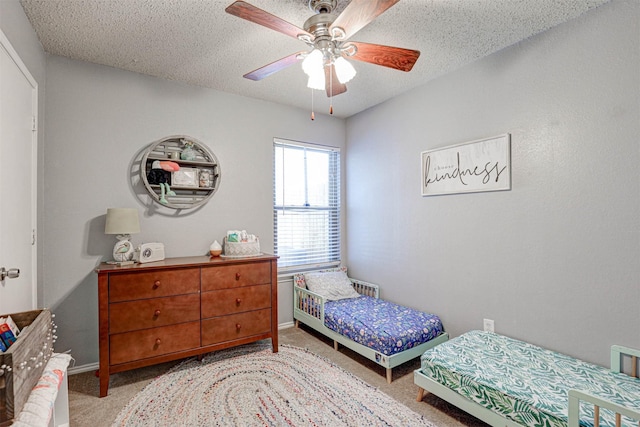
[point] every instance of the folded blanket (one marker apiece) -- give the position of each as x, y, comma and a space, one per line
38, 409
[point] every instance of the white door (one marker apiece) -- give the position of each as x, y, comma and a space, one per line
18, 160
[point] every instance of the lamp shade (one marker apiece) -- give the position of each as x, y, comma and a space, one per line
122, 221
313, 63
316, 81
344, 70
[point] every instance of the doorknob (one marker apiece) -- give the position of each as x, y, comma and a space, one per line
11, 273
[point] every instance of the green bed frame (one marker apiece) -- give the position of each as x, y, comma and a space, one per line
308, 308
425, 383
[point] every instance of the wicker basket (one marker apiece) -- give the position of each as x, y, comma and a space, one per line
241, 249
24, 361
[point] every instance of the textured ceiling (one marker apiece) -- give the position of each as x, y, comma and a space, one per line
196, 42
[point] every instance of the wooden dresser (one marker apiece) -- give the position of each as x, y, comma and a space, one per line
182, 307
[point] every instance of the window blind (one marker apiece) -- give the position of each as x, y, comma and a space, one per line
306, 205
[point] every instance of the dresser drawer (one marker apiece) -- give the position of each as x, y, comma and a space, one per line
150, 313
235, 326
131, 346
229, 301
236, 275
131, 286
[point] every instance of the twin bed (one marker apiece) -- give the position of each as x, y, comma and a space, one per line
351, 313
500, 380
506, 382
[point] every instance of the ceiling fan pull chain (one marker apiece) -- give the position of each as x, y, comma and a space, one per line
313, 116
331, 89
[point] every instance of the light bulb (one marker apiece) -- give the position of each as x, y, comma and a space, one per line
316, 81
344, 70
313, 62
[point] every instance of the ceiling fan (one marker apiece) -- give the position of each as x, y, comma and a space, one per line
327, 35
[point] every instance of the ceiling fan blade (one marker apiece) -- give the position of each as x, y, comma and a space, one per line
274, 67
359, 13
387, 56
331, 83
251, 13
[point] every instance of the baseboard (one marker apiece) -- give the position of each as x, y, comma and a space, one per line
83, 368
95, 366
287, 325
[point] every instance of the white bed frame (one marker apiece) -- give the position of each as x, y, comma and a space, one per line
308, 308
575, 396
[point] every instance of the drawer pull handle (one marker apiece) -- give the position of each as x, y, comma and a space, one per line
156, 284
158, 341
238, 301
238, 326
156, 313
237, 276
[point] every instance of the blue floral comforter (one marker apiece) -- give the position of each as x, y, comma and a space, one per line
523, 382
381, 325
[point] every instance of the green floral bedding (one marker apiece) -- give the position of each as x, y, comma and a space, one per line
523, 382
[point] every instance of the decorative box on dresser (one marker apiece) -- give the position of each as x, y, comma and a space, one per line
182, 307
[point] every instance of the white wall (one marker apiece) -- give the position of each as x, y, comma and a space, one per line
16, 27
99, 119
554, 261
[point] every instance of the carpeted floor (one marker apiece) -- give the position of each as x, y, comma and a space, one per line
86, 409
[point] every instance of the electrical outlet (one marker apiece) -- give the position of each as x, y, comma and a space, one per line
488, 325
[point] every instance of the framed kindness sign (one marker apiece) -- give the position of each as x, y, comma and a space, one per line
483, 165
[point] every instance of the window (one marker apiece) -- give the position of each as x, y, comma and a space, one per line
306, 205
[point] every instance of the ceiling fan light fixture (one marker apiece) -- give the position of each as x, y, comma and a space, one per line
344, 70
316, 80
327, 36
313, 62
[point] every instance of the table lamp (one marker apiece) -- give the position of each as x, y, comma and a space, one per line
123, 222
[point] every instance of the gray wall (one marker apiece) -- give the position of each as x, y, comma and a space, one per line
554, 261
23, 38
99, 119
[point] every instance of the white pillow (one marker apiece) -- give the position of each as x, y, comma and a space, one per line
333, 285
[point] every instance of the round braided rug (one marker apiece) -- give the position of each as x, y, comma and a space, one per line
251, 386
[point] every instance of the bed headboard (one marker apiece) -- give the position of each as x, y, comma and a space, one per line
298, 278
